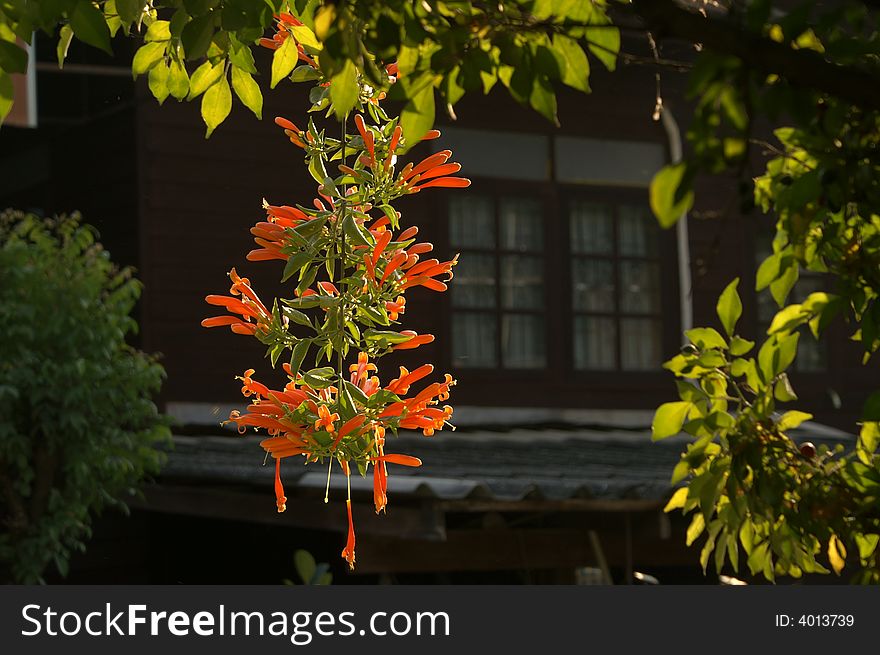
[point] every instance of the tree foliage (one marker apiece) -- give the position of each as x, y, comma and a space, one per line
809, 69
78, 428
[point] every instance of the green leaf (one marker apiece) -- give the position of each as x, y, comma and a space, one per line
196, 36
178, 80
358, 235
706, 338
695, 529
304, 73
768, 271
782, 285
305, 36
573, 63
300, 350
543, 99
159, 30
248, 91
158, 82
680, 472
787, 319
604, 43
783, 391
418, 115
792, 419
671, 194
129, 10
216, 105
777, 354
12, 58
6, 93
65, 36
869, 439
241, 57
90, 27
344, 90
295, 264
867, 544
678, 500
305, 565
740, 346
747, 535
147, 56
297, 316
203, 77
668, 419
729, 307
836, 553
871, 410
283, 61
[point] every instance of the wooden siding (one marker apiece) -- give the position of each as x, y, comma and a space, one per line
198, 199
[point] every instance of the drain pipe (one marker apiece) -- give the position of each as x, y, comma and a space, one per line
685, 282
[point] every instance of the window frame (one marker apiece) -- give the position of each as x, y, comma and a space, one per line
498, 190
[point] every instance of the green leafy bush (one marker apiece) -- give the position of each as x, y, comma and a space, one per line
78, 428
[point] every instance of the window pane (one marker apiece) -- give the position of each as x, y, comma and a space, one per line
592, 285
601, 161
474, 284
591, 229
594, 343
522, 282
484, 153
522, 341
640, 344
639, 287
637, 232
471, 222
521, 224
473, 340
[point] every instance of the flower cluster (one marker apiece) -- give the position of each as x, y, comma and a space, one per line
350, 265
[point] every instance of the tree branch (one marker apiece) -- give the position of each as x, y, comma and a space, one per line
804, 68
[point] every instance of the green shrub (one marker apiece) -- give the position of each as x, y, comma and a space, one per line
78, 427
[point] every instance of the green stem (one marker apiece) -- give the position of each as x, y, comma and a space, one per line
341, 245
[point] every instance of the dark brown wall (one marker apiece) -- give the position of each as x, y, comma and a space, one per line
199, 197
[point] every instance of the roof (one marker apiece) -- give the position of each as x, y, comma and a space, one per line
536, 462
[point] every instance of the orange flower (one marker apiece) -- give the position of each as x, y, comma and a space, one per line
348, 551
396, 308
402, 384
280, 498
253, 312
325, 419
414, 341
360, 371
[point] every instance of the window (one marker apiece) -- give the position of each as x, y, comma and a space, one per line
615, 284
566, 247
498, 295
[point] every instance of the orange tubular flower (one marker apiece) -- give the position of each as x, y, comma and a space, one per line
396, 308
291, 130
361, 370
325, 419
280, 498
415, 341
449, 182
401, 385
253, 312
367, 136
348, 551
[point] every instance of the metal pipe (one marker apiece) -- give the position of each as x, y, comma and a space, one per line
685, 282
